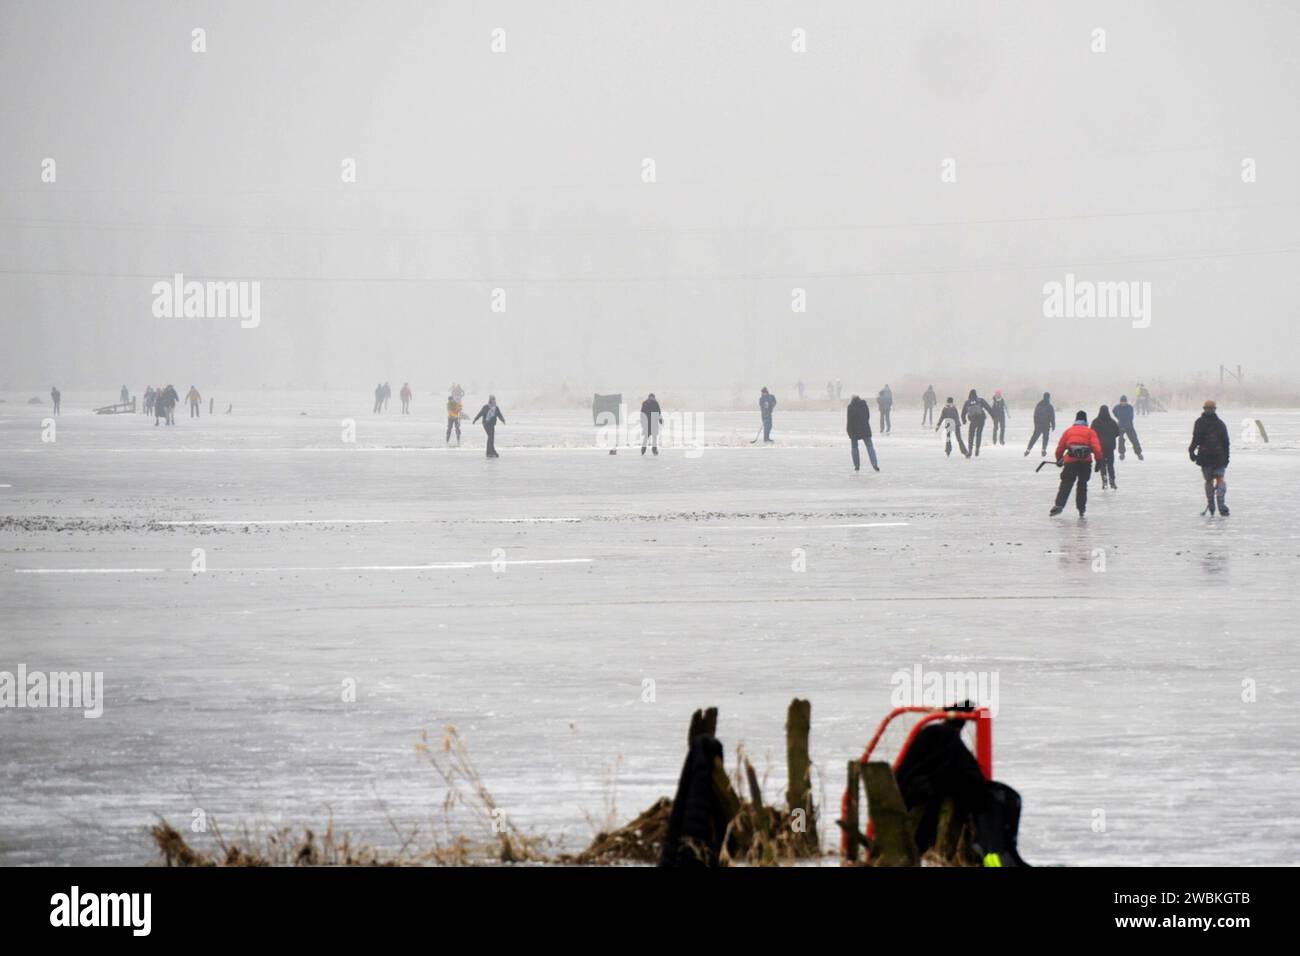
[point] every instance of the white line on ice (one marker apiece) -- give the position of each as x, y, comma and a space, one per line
526, 520
444, 566
289, 521
775, 526
89, 570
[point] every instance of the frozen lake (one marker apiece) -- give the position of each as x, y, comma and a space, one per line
1120, 690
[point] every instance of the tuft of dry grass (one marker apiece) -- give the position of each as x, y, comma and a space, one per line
278, 847
471, 828
467, 795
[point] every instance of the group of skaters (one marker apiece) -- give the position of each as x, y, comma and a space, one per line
158, 402
161, 403
490, 414
975, 414
384, 392
1086, 446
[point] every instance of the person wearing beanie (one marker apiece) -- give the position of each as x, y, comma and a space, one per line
999, 416
1123, 412
974, 412
490, 414
1044, 423
950, 421
1107, 430
1075, 452
1209, 449
858, 427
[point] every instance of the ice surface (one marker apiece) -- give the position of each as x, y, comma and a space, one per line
1120, 690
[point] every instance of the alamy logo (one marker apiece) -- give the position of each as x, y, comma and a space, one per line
179, 299
921, 688
69, 689
103, 909
1084, 299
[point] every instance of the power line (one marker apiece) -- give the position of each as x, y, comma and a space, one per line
598, 280
665, 231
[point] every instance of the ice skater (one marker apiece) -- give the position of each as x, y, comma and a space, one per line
124, 395
928, 401
651, 418
405, 395
1075, 453
885, 402
859, 428
950, 422
194, 398
999, 416
1123, 412
766, 402
379, 399
388, 393
454, 409
1107, 430
164, 405
1044, 423
56, 397
974, 412
490, 414
1209, 449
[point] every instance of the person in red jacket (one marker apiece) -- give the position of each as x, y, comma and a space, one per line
1075, 451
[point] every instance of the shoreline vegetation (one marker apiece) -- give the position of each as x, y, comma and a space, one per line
471, 829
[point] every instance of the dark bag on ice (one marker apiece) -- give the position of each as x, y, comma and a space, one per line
938, 767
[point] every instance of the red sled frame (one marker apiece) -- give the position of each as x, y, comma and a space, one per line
983, 719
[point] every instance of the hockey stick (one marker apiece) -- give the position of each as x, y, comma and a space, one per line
1042, 463
756, 434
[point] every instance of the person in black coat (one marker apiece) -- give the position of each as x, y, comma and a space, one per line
975, 411
1108, 433
766, 402
859, 429
1044, 422
999, 414
491, 414
1209, 449
885, 402
950, 420
652, 417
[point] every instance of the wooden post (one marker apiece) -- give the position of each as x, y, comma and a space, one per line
798, 794
948, 832
755, 792
725, 794
851, 811
894, 842
703, 722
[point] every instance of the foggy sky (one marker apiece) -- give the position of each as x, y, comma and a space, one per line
522, 170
